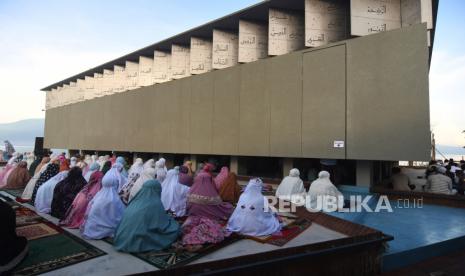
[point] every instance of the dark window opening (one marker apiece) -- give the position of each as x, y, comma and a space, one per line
266, 167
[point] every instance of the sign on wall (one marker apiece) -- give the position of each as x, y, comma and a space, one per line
145, 71
200, 56
325, 21
253, 41
374, 16
225, 49
161, 67
286, 32
180, 61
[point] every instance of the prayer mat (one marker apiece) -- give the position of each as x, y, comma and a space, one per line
289, 232
50, 247
35, 231
174, 257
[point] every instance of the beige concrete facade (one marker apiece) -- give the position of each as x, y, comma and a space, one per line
371, 93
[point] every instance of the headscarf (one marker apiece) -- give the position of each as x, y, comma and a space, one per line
249, 217
322, 187
106, 167
93, 168
230, 191
147, 174
118, 169
149, 163
33, 166
5, 173
221, 177
44, 197
134, 173
51, 170
66, 191
101, 161
122, 161
105, 210
137, 167
73, 162
44, 161
18, 177
291, 187
184, 177
145, 225
188, 165
161, 169
64, 164
174, 194
75, 215
203, 199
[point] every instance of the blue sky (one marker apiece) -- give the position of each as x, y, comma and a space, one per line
46, 41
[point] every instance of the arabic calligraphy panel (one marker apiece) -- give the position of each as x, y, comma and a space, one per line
201, 56
107, 82
145, 71
161, 67
132, 75
325, 22
225, 49
80, 91
180, 61
253, 41
286, 32
374, 16
119, 79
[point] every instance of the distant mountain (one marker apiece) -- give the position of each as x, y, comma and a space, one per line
22, 133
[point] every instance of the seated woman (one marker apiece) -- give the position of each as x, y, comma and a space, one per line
18, 177
92, 168
10, 166
52, 169
122, 161
147, 174
230, 191
206, 212
250, 217
27, 193
105, 210
185, 178
106, 167
291, 188
44, 197
161, 169
133, 174
221, 177
14, 248
323, 190
75, 215
145, 225
174, 194
65, 192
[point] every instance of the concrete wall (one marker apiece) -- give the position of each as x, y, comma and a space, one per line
370, 92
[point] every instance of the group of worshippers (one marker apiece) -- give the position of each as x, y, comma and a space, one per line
442, 177
141, 208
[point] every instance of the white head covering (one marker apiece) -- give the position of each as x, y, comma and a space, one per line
117, 168
147, 174
105, 210
73, 162
161, 169
92, 168
249, 217
137, 167
149, 164
174, 194
101, 161
320, 188
44, 194
291, 187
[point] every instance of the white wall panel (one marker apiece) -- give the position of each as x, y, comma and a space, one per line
145, 71
180, 61
80, 90
374, 16
417, 11
98, 85
132, 75
161, 67
325, 21
253, 41
119, 75
286, 32
108, 82
89, 88
225, 49
200, 56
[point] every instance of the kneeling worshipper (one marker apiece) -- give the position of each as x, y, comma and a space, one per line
206, 212
147, 174
75, 215
65, 192
136, 168
122, 161
105, 210
321, 190
18, 177
292, 188
13, 248
221, 177
250, 217
44, 196
27, 193
161, 169
52, 169
106, 167
145, 225
230, 191
185, 178
174, 194
64, 163
134, 173
10, 166
149, 163
92, 168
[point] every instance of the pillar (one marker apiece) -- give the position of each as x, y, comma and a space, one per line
364, 173
234, 165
